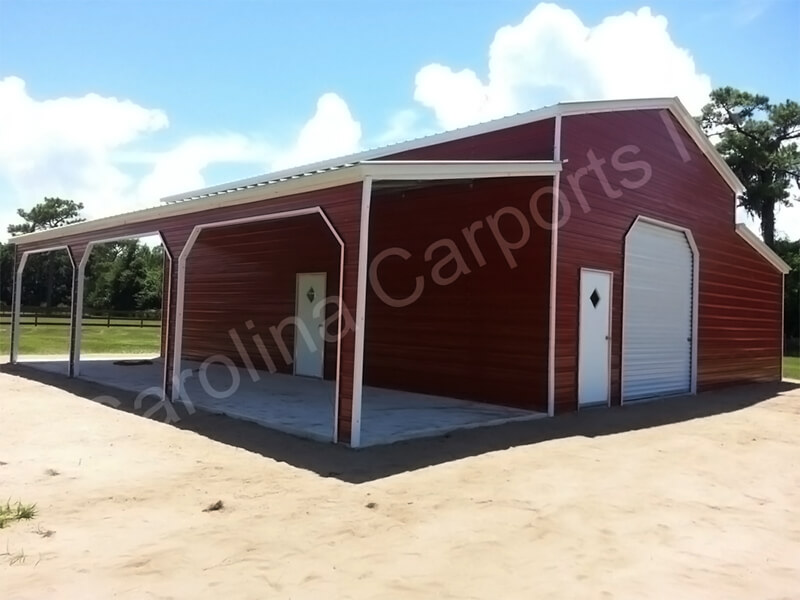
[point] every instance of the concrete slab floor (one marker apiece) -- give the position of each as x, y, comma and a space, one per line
297, 405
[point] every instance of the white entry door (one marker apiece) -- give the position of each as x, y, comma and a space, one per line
595, 337
309, 343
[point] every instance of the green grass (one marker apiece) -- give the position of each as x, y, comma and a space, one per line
791, 367
54, 339
16, 512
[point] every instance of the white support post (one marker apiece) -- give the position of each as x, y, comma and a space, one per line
73, 292
551, 342
76, 358
17, 308
177, 344
361, 312
166, 299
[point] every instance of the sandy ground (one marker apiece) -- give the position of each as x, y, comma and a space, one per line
684, 498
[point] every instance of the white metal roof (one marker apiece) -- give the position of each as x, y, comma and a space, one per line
673, 105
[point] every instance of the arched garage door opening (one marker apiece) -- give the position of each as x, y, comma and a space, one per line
257, 321
659, 311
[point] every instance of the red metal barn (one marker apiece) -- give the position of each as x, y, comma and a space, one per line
581, 254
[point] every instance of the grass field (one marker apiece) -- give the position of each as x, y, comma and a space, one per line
791, 367
54, 339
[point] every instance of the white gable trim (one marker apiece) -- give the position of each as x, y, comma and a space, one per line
760, 247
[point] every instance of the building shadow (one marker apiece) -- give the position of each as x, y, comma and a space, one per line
377, 462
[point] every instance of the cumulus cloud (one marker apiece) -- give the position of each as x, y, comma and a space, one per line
86, 148
332, 131
180, 169
63, 146
552, 55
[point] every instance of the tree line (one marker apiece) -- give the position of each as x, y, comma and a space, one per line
120, 276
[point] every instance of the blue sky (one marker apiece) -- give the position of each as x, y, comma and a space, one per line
120, 102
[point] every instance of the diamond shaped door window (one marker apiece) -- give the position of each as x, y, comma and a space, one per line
595, 298
311, 294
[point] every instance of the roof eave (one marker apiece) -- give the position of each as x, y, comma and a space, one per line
328, 179
333, 177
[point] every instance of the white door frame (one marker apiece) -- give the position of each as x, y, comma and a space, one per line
297, 317
695, 297
610, 322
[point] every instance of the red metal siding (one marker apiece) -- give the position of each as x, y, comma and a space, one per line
739, 333
533, 141
739, 292
246, 273
482, 337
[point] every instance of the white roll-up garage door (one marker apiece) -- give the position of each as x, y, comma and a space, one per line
657, 344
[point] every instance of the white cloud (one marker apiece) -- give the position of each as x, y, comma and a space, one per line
62, 147
332, 131
82, 148
181, 168
403, 125
552, 55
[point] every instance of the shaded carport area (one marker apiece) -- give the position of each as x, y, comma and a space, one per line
236, 329
457, 303
251, 343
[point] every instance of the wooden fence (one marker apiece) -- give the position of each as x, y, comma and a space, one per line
60, 317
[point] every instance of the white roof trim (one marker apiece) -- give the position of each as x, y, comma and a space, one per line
564, 109
425, 170
332, 177
760, 247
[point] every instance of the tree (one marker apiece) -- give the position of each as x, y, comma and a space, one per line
125, 275
6, 269
790, 252
48, 214
755, 138
47, 268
